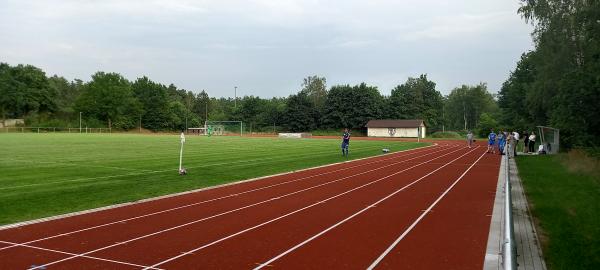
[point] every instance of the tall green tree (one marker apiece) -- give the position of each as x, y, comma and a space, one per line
352, 106
66, 94
201, 106
299, 114
108, 97
563, 89
25, 89
315, 88
465, 104
417, 98
153, 97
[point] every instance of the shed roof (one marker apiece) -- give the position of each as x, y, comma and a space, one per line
413, 123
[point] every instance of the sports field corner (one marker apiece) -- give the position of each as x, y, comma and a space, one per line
340, 215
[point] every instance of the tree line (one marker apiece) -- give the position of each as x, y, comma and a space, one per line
558, 82
110, 100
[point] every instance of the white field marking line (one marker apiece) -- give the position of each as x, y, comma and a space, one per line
245, 207
76, 159
231, 149
355, 214
160, 171
73, 164
296, 211
211, 200
393, 245
69, 253
209, 188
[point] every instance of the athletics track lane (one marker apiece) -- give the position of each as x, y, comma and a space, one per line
139, 251
343, 248
175, 242
74, 223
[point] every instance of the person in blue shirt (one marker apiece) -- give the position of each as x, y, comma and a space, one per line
491, 142
345, 142
501, 142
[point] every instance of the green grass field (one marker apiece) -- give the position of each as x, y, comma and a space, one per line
49, 174
566, 206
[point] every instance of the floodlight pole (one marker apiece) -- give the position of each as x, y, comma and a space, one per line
235, 96
79, 122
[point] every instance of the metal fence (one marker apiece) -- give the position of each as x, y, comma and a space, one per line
509, 250
54, 130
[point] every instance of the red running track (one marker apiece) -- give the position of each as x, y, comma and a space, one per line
427, 208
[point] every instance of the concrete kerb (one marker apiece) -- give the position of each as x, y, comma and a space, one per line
529, 252
494, 245
40, 220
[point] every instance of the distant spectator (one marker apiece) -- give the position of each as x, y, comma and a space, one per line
510, 150
532, 142
525, 142
516, 142
541, 150
501, 142
470, 138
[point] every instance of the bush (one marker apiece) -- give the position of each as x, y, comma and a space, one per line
447, 134
486, 122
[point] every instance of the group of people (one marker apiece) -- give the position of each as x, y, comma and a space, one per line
507, 142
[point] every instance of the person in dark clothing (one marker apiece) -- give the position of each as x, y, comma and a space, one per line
532, 142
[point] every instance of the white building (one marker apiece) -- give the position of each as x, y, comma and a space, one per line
396, 128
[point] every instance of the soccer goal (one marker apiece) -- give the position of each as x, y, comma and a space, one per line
224, 128
549, 139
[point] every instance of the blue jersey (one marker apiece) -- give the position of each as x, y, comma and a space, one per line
501, 139
346, 137
492, 137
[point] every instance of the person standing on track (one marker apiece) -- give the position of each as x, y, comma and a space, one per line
345, 142
491, 142
470, 138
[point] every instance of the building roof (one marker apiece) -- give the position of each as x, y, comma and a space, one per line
413, 123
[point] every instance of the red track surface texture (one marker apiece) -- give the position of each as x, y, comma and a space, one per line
428, 208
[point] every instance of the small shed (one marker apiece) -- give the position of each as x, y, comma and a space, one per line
396, 128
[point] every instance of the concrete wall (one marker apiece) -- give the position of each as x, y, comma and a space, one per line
11, 122
400, 132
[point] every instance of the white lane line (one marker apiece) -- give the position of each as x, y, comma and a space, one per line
355, 214
389, 249
69, 253
238, 163
70, 164
238, 209
294, 212
224, 197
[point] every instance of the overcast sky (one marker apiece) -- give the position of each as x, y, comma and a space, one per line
266, 47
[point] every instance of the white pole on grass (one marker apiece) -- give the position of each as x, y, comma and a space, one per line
182, 137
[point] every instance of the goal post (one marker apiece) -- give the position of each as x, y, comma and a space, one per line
549, 139
224, 128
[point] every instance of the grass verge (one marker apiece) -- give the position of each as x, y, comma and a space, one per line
565, 204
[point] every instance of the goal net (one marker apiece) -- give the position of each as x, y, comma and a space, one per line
223, 128
549, 139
